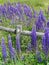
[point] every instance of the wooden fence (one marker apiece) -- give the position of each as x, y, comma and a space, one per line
19, 30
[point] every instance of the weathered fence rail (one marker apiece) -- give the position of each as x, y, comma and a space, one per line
7, 29
19, 30
29, 32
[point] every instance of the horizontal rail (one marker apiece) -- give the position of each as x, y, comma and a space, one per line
22, 32
29, 32
7, 29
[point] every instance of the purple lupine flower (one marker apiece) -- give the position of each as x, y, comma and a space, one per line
3, 11
44, 45
19, 11
27, 11
47, 36
48, 24
42, 16
10, 44
45, 41
46, 32
18, 43
33, 38
19, 7
48, 41
4, 53
9, 12
11, 49
39, 25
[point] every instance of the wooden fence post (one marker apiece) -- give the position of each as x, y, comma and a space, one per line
18, 32
18, 29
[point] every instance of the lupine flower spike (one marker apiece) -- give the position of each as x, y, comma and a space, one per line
11, 49
33, 39
4, 53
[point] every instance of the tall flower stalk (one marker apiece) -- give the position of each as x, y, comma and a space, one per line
33, 39
41, 21
11, 49
44, 45
45, 42
4, 53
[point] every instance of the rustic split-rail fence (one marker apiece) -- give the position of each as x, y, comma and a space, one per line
19, 30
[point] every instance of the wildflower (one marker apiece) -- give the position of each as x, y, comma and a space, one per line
33, 38
4, 53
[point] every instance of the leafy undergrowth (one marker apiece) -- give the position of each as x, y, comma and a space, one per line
28, 58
